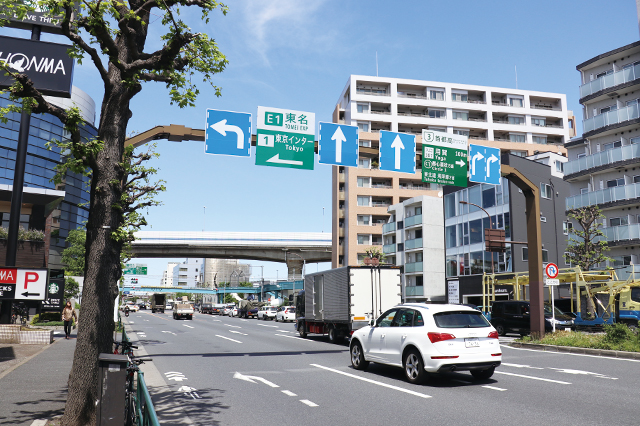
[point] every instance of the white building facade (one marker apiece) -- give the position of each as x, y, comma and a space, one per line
167, 275
187, 273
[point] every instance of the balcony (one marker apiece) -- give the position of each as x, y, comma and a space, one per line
413, 220
413, 244
388, 227
609, 118
611, 80
414, 291
622, 233
603, 159
380, 204
410, 268
373, 91
389, 248
604, 196
411, 95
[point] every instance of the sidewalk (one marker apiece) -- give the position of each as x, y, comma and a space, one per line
37, 388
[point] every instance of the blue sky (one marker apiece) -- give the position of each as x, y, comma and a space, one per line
298, 55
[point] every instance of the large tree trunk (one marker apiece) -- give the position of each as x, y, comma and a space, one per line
102, 260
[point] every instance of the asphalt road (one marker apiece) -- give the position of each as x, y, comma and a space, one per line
231, 371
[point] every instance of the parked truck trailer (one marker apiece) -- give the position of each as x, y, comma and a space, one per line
339, 301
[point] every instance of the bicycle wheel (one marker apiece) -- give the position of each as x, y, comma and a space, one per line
130, 410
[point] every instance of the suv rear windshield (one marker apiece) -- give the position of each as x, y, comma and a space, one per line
460, 319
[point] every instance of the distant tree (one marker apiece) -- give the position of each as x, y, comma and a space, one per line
587, 243
71, 288
229, 299
73, 256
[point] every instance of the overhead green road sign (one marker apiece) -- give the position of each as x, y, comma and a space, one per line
135, 269
444, 158
285, 138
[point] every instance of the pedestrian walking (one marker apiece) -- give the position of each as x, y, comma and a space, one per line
68, 313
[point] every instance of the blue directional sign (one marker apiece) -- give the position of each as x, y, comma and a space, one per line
228, 133
338, 144
397, 152
484, 164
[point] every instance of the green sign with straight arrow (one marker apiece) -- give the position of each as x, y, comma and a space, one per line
285, 138
444, 158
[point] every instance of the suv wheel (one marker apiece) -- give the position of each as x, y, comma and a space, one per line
414, 368
357, 357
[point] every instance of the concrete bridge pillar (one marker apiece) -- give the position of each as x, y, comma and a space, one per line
294, 269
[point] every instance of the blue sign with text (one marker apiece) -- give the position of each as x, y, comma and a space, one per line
228, 133
484, 164
397, 152
338, 144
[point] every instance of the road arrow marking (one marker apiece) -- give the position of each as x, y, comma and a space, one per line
490, 160
222, 127
460, 163
476, 157
252, 379
186, 389
398, 146
339, 137
276, 159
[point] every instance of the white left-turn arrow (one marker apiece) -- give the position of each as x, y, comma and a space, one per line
339, 137
398, 146
276, 159
490, 160
252, 379
222, 127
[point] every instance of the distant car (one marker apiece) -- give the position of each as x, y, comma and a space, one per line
168, 307
512, 316
234, 312
206, 308
227, 309
286, 313
267, 312
132, 307
217, 309
427, 338
142, 305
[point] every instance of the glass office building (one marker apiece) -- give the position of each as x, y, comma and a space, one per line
73, 211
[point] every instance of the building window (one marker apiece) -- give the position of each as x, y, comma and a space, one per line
461, 115
635, 140
364, 239
436, 95
619, 221
538, 122
525, 255
437, 113
364, 182
364, 163
539, 139
518, 153
611, 145
517, 137
559, 167
461, 132
636, 179
516, 102
459, 97
566, 226
363, 127
584, 190
450, 234
545, 190
364, 144
516, 119
364, 201
363, 108
364, 220
581, 155
615, 182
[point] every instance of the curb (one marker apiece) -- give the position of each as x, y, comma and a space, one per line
581, 351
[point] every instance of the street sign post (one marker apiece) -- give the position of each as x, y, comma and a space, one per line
551, 270
444, 158
285, 138
484, 164
23, 284
338, 144
397, 152
227, 133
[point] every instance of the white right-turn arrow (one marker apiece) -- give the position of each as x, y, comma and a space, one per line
475, 158
490, 160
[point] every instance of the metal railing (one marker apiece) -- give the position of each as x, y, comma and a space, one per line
470, 101
145, 411
546, 107
622, 232
381, 112
612, 117
413, 267
602, 196
414, 187
610, 80
389, 248
388, 227
378, 92
413, 220
413, 244
411, 95
610, 156
412, 291
380, 204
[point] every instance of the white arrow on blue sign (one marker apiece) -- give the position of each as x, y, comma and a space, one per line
338, 144
397, 152
228, 133
484, 164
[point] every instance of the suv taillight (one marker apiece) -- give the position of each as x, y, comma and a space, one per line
493, 335
440, 337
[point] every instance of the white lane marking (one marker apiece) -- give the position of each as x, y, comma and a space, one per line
585, 373
175, 375
533, 378
234, 326
170, 332
522, 366
265, 325
252, 379
569, 353
309, 403
233, 340
364, 379
188, 326
217, 320
237, 332
494, 388
141, 332
242, 319
295, 337
288, 393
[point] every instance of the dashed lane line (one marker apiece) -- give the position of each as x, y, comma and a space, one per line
309, 403
234, 326
228, 338
288, 393
265, 325
364, 379
187, 326
494, 388
533, 378
237, 332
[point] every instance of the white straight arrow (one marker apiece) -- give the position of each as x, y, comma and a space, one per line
276, 159
490, 160
398, 146
476, 157
339, 137
253, 378
222, 127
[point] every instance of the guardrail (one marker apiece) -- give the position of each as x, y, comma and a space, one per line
145, 411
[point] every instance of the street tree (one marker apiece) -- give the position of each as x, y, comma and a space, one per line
71, 288
115, 36
587, 243
73, 255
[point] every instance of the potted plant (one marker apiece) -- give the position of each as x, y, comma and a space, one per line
373, 256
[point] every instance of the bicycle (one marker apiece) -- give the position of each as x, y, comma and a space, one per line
130, 411
127, 348
19, 310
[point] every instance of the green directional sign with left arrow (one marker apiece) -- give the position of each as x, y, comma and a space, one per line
444, 158
285, 138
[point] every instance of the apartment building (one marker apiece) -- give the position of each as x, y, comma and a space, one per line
187, 273
604, 164
521, 122
167, 274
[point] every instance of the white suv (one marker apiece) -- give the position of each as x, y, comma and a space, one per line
424, 339
267, 312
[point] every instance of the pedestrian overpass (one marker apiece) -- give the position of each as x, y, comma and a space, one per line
293, 248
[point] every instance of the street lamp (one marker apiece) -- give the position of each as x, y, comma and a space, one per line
490, 226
